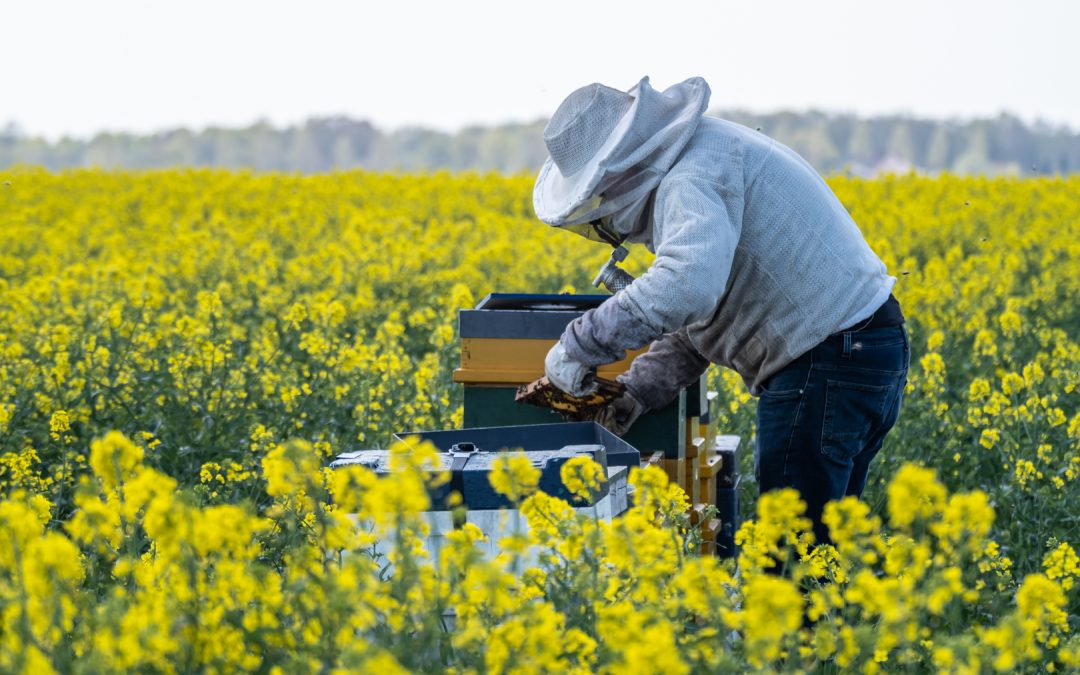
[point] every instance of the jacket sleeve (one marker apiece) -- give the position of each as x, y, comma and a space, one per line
657, 376
603, 334
696, 227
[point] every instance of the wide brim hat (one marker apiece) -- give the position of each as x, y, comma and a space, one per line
609, 148
581, 135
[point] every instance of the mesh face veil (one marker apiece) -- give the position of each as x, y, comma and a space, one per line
602, 229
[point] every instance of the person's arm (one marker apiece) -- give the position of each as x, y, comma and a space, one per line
656, 377
697, 228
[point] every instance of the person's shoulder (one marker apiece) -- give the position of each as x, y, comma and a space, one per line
714, 158
720, 179
719, 144
727, 128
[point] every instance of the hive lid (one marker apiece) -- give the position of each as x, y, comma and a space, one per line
534, 437
541, 301
534, 316
469, 455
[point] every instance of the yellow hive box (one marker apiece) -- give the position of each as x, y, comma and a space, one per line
517, 361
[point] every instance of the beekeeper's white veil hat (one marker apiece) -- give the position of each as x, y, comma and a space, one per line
609, 149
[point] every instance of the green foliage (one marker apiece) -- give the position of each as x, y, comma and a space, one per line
831, 143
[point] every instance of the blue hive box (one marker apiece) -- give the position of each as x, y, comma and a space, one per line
469, 454
727, 506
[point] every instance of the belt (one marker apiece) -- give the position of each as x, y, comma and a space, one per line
886, 316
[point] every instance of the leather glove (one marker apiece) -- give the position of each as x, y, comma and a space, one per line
619, 415
569, 375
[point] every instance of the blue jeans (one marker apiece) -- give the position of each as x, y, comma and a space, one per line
822, 419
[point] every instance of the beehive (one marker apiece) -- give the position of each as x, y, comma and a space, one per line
504, 340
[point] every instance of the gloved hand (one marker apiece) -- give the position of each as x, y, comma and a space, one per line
573, 377
619, 415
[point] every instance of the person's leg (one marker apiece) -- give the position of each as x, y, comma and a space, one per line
789, 419
796, 461
862, 461
818, 435
779, 412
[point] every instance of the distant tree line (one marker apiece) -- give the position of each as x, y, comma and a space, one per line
833, 143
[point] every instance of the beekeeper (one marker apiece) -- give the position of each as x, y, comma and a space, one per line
758, 268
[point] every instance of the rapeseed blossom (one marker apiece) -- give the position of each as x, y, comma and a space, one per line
582, 477
514, 476
166, 419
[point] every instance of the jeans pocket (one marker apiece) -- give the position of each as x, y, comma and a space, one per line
786, 385
853, 410
780, 396
777, 416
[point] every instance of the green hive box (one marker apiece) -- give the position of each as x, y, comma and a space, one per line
503, 344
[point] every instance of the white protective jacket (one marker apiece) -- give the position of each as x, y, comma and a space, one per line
757, 261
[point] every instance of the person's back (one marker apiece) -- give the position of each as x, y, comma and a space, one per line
801, 268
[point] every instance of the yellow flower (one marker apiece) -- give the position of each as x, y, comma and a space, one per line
914, 494
1042, 602
943, 658
656, 497
1062, 563
289, 468
59, 424
1026, 472
1010, 322
514, 476
1012, 384
582, 477
932, 364
114, 458
989, 438
985, 343
1055, 417
935, 341
7, 411
771, 614
271, 321
979, 389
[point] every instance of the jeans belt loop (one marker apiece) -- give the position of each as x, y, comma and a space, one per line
847, 345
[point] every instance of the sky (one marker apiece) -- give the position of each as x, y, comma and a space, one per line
77, 68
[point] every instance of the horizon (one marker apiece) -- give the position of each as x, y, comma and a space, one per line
21, 132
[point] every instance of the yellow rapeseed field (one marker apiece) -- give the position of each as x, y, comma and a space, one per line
182, 351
